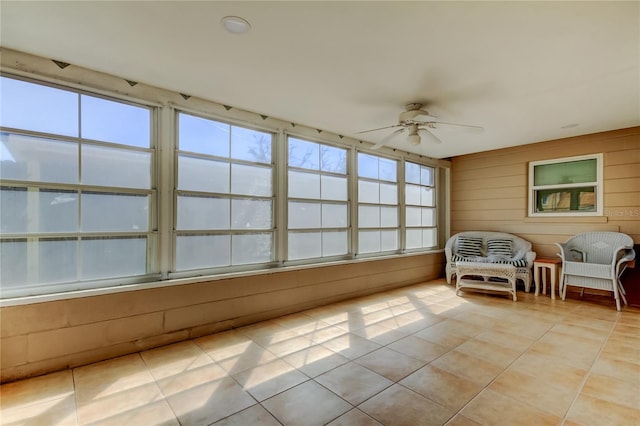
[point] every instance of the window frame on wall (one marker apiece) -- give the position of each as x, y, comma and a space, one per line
384, 204
232, 196
560, 193
80, 232
330, 230
424, 203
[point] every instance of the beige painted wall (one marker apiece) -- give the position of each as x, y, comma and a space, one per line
489, 189
44, 337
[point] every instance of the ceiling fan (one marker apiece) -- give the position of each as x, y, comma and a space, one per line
416, 120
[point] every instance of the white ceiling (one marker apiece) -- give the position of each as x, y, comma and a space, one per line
525, 71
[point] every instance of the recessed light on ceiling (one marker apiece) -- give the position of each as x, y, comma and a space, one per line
569, 126
235, 24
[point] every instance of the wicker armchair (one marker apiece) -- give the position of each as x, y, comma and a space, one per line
596, 260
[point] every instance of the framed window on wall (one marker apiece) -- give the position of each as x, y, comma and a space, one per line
570, 186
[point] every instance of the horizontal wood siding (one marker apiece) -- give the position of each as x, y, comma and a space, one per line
44, 337
489, 189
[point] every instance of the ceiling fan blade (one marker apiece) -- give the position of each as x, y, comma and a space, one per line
387, 138
453, 126
426, 132
381, 128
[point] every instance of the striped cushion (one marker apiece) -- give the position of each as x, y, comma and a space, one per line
469, 246
501, 248
520, 263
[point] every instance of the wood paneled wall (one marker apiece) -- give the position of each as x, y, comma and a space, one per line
489, 189
44, 337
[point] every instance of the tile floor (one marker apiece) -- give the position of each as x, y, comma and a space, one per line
419, 355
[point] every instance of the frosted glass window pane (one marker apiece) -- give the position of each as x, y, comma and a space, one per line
427, 174
251, 214
196, 174
367, 166
202, 251
369, 216
203, 136
566, 172
333, 159
388, 170
414, 216
113, 257
203, 213
304, 185
334, 188
304, 215
58, 211
13, 210
368, 241
251, 248
368, 192
304, 154
334, 216
117, 122
388, 217
38, 159
58, 261
115, 167
429, 237
412, 172
388, 194
251, 180
412, 195
414, 238
251, 145
305, 245
115, 212
39, 108
428, 217
335, 243
388, 240
427, 196
13, 263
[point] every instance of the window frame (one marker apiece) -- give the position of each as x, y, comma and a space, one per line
434, 207
597, 185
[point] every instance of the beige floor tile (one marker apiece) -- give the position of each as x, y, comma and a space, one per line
442, 387
598, 324
616, 368
351, 345
549, 368
500, 337
50, 412
619, 391
266, 380
380, 334
492, 408
398, 405
353, 382
234, 352
327, 333
37, 390
581, 331
442, 336
254, 415
552, 397
301, 323
460, 420
210, 402
308, 404
418, 348
153, 413
467, 366
389, 363
411, 322
571, 350
261, 330
354, 417
626, 329
289, 346
497, 355
590, 411
112, 377
315, 360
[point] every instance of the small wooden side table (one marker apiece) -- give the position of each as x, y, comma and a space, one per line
555, 270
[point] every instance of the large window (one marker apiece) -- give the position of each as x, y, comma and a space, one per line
378, 223
566, 186
224, 197
420, 203
77, 191
318, 214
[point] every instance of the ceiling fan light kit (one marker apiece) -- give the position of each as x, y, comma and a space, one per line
415, 120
